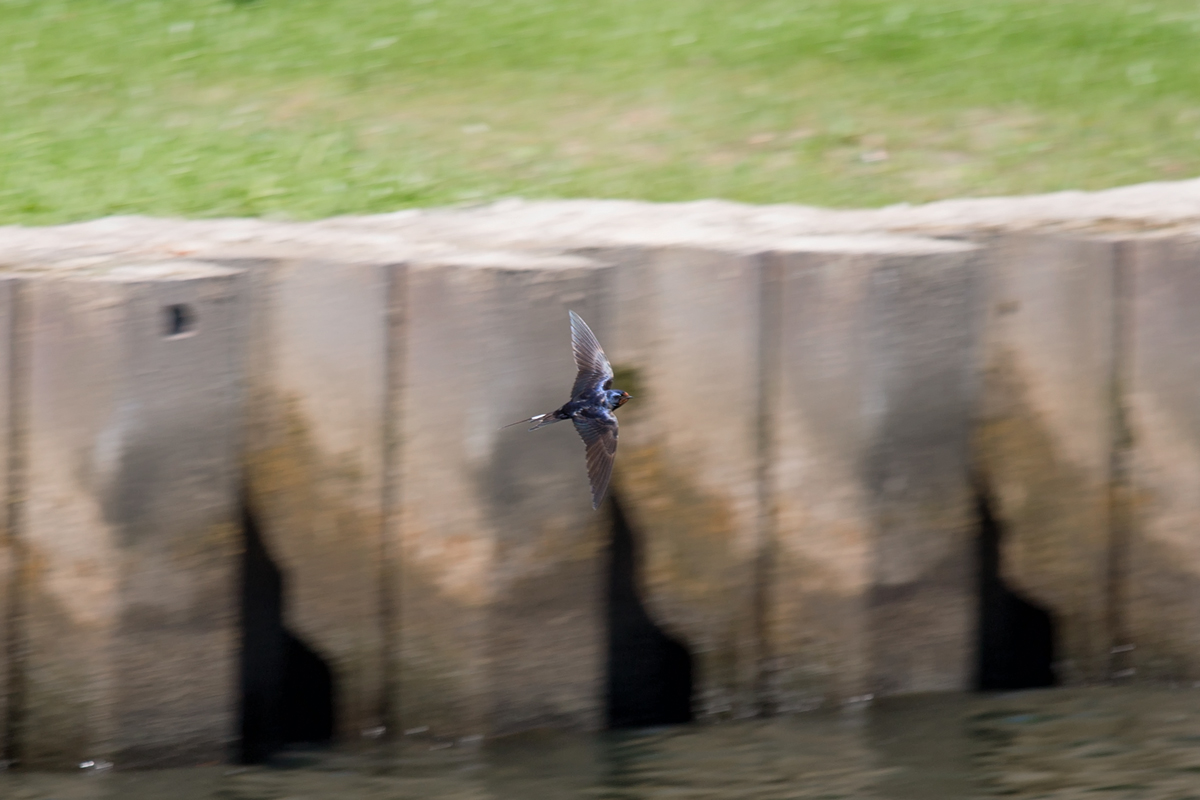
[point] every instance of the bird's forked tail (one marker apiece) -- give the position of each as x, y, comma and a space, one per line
539, 420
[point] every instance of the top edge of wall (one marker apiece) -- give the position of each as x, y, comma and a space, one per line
504, 260
1151, 209
116, 269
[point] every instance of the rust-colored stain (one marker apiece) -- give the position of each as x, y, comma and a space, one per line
440, 664
83, 682
219, 540
815, 627
328, 543
687, 534
462, 648
1163, 598
1055, 516
695, 582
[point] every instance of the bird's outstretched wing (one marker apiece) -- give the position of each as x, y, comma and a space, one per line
594, 369
600, 436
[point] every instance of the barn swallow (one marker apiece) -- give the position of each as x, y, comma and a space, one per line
593, 400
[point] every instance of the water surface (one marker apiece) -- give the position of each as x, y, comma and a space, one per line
1099, 744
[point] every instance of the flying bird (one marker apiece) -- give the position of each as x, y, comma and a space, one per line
593, 400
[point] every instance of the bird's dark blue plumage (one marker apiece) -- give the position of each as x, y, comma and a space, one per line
593, 400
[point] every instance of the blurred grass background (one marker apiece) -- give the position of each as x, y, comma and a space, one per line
308, 108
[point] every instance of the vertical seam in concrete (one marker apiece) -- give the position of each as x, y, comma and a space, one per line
1120, 489
983, 265
769, 349
396, 276
15, 518
239, 363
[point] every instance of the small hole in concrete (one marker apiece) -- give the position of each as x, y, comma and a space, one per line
1016, 637
287, 691
180, 320
649, 673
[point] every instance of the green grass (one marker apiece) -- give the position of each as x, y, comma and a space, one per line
307, 108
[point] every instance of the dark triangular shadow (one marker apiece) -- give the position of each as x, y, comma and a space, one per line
1016, 637
287, 691
649, 673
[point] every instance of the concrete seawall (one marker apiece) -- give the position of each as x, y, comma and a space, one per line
257, 490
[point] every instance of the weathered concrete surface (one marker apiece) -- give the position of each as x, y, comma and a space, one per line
871, 393
127, 526
500, 618
921, 394
820, 571
686, 344
1161, 595
1044, 445
782, 369
315, 461
840, 475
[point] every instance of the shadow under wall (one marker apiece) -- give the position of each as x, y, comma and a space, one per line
649, 673
1016, 637
287, 692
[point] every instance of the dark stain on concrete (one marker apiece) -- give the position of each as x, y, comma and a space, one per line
1016, 638
695, 582
287, 691
1056, 518
305, 502
649, 680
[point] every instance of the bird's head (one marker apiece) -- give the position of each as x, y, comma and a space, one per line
617, 398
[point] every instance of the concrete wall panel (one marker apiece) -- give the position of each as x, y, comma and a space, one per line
9, 545
922, 387
500, 616
1162, 590
686, 345
823, 526
872, 386
315, 462
128, 533
1046, 435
